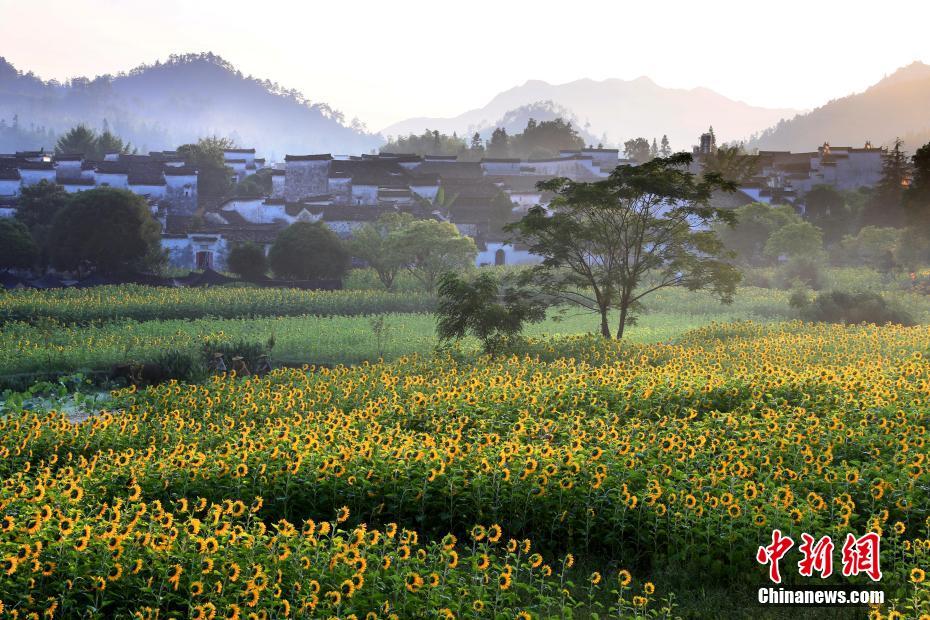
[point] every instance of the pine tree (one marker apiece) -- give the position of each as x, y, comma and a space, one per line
654, 149
885, 206
665, 150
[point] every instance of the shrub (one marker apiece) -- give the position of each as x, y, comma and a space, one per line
853, 308
800, 270
308, 251
247, 260
483, 308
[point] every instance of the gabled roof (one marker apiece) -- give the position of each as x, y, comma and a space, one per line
9, 174
251, 151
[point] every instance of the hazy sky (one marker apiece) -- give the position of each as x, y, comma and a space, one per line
384, 61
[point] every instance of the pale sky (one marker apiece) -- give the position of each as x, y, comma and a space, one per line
384, 61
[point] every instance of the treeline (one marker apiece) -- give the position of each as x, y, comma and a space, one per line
538, 140
886, 227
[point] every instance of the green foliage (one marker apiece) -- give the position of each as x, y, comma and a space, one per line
754, 224
82, 140
247, 260
602, 239
306, 251
146, 303
37, 207
872, 247
108, 230
17, 249
258, 184
637, 149
481, 307
800, 271
884, 207
432, 248
379, 245
213, 176
545, 139
795, 240
430, 142
732, 163
853, 308
538, 139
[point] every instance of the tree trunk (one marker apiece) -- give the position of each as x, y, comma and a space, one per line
624, 306
622, 321
605, 326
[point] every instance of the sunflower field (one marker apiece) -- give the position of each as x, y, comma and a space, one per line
583, 479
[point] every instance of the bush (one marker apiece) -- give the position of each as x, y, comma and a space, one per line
485, 309
247, 260
17, 249
308, 251
803, 271
854, 308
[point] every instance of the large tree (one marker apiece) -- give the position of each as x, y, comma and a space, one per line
214, 178
379, 245
108, 230
885, 206
637, 149
247, 260
78, 140
308, 251
433, 248
917, 196
732, 163
82, 140
17, 249
608, 244
37, 207
755, 223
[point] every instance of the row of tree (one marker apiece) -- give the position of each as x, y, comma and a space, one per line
538, 140
395, 242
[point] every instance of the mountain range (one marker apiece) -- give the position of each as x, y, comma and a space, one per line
617, 110
896, 106
163, 105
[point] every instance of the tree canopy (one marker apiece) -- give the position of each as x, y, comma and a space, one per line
82, 140
484, 308
213, 176
607, 244
247, 260
17, 248
308, 251
108, 230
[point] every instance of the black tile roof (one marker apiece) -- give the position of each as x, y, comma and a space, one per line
322, 157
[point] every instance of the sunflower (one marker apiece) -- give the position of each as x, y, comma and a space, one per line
624, 577
917, 575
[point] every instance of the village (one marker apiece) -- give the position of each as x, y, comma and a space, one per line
347, 192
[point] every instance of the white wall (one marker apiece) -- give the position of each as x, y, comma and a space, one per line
512, 256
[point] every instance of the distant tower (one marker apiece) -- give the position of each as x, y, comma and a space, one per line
708, 143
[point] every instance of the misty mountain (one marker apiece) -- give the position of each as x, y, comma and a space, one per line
163, 105
621, 109
897, 106
514, 121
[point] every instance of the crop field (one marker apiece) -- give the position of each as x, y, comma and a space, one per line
94, 329
591, 478
146, 303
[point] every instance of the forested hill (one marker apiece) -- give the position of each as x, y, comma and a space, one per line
897, 106
159, 106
